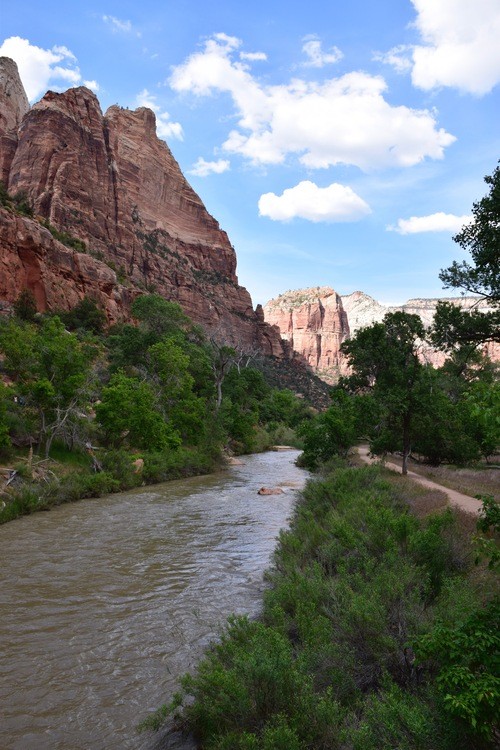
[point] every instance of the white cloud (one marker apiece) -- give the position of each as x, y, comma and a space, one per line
438, 222
165, 128
399, 57
308, 201
343, 120
41, 68
318, 58
203, 168
92, 85
253, 56
459, 46
117, 25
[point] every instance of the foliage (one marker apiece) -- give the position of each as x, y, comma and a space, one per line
453, 327
355, 580
52, 372
467, 658
384, 359
4, 425
331, 433
67, 239
128, 412
25, 306
482, 239
86, 316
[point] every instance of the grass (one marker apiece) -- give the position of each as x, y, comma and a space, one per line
71, 478
480, 479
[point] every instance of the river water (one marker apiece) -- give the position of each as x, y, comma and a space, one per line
104, 603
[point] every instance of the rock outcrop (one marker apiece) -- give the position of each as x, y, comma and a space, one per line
109, 182
316, 321
13, 106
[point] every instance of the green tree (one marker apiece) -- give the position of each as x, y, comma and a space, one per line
384, 361
52, 370
331, 433
168, 365
158, 315
4, 427
25, 306
467, 661
454, 327
128, 412
86, 316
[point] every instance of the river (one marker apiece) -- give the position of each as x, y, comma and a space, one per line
104, 603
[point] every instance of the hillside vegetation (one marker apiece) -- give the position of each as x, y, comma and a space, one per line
86, 410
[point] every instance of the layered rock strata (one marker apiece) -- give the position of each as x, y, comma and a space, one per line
108, 181
316, 321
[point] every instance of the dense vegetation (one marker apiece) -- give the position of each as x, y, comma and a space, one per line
378, 631
85, 410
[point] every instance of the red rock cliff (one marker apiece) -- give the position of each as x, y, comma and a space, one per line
315, 324
316, 321
110, 182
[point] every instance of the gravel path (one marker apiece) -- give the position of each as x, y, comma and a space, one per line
465, 502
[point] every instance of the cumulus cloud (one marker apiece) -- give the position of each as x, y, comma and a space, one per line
41, 68
308, 201
92, 85
459, 46
165, 128
438, 222
203, 168
317, 58
343, 120
399, 57
251, 56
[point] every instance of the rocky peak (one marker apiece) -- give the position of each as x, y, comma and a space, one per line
314, 324
13, 106
110, 183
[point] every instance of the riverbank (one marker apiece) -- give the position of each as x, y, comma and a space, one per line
108, 603
40, 486
375, 600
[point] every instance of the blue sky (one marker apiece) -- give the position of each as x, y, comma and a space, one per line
338, 143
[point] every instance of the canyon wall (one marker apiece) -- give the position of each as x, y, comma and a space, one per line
109, 182
316, 321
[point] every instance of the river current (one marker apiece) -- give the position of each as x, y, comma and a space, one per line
105, 603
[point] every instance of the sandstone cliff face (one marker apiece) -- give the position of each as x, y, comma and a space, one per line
315, 324
316, 321
110, 182
13, 106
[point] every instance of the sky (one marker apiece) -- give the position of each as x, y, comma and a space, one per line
337, 143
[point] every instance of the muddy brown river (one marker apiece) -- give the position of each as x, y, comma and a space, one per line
105, 603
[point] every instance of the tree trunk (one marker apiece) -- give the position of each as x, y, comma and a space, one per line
406, 444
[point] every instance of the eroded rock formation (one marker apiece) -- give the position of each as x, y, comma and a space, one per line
315, 324
316, 321
108, 181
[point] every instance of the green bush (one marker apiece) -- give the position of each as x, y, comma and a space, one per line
355, 581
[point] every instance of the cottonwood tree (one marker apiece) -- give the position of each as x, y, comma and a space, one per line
384, 359
52, 370
453, 327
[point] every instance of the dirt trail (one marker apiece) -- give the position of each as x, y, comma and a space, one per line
465, 502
